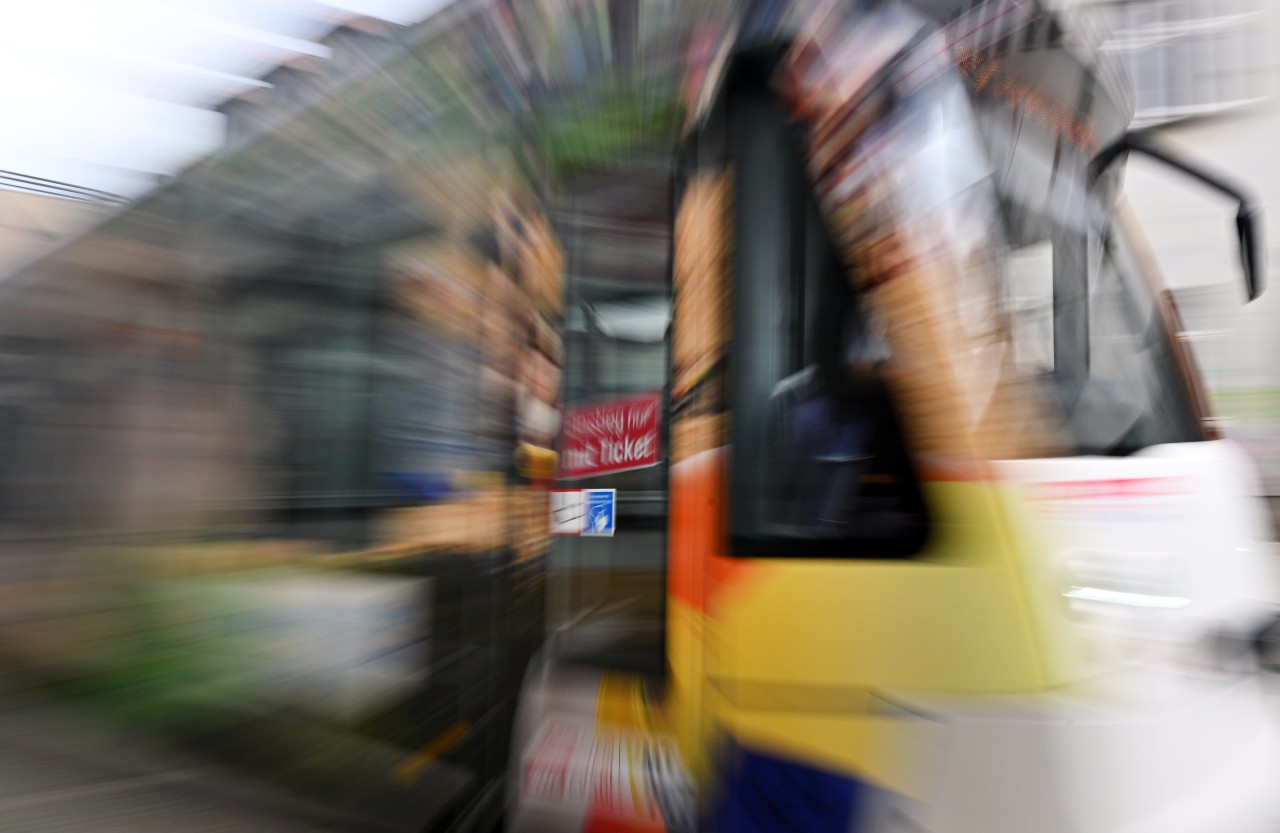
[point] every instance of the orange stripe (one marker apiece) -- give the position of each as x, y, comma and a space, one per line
953, 471
699, 571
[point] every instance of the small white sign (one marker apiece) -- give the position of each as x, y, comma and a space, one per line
568, 512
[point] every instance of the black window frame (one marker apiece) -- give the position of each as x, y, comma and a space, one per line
747, 366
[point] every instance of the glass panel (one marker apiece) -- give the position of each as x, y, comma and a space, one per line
1133, 397
1117, 385
1029, 301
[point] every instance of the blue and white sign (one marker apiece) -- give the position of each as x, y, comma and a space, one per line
601, 506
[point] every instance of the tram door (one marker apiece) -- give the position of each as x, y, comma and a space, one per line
615, 234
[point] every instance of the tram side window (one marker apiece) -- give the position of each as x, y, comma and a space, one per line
818, 466
1029, 300
1085, 321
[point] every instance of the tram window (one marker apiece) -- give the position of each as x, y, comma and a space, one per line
1133, 397
818, 465
1085, 319
1029, 301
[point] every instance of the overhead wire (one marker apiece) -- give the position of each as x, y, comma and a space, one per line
12, 180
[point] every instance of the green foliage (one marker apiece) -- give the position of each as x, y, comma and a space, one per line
593, 133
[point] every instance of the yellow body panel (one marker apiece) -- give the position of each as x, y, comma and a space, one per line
794, 657
952, 619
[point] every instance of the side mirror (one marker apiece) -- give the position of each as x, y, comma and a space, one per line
1248, 217
1248, 227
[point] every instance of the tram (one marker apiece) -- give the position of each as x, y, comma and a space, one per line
954, 544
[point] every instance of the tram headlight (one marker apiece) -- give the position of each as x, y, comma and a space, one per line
1131, 594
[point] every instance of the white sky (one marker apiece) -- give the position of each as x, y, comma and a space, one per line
109, 93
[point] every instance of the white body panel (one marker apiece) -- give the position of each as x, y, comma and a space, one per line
1151, 553
1183, 755
1140, 562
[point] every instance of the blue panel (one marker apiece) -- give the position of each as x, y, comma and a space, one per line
601, 511
764, 793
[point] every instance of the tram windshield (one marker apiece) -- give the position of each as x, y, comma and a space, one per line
954, 272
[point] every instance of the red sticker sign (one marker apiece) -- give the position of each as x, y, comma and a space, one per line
608, 437
1119, 489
